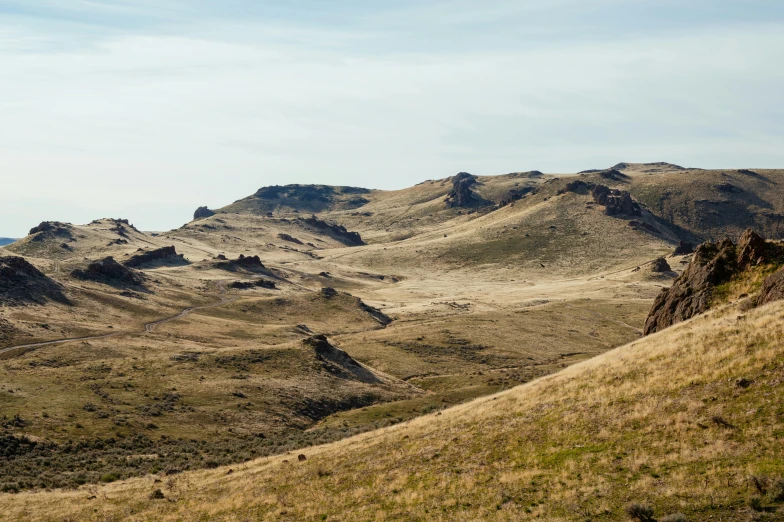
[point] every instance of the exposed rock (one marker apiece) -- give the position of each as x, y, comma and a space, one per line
616, 202
21, 283
683, 248
259, 283
752, 249
461, 194
339, 232
577, 186
728, 188
289, 238
338, 362
516, 194
328, 292
163, 255
251, 263
660, 266
713, 264
110, 272
203, 212
49, 229
772, 288
614, 175
382, 318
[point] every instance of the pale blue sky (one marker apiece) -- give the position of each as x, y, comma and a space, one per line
147, 109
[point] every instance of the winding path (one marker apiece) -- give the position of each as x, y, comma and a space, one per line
148, 327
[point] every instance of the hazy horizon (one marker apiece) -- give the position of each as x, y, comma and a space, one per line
145, 110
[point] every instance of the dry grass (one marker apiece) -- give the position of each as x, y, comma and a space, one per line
660, 421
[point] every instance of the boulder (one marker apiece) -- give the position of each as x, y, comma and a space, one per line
202, 212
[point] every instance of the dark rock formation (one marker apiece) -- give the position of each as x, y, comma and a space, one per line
683, 248
50, 229
110, 272
328, 292
338, 362
382, 318
772, 288
616, 202
516, 194
250, 263
660, 266
289, 238
259, 283
577, 186
728, 188
713, 264
461, 195
752, 249
336, 231
21, 283
614, 175
164, 255
203, 212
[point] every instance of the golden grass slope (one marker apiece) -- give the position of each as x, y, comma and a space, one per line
661, 421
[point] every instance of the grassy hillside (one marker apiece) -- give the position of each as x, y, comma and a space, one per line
688, 421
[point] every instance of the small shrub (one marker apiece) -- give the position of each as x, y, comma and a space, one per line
776, 490
110, 477
755, 503
157, 495
641, 512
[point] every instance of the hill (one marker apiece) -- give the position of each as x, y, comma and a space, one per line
202, 346
684, 421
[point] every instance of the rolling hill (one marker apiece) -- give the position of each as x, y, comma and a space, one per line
686, 422
304, 315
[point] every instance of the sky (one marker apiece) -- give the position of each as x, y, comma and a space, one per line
147, 109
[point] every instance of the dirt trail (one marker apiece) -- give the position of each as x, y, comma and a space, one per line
148, 327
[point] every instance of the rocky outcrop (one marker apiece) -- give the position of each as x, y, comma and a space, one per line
164, 255
290, 238
338, 362
110, 272
752, 249
683, 248
713, 264
21, 283
250, 263
52, 229
660, 266
461, 195
336, 231
772, 288
259, 283
382, 318
202, 212
616, 202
